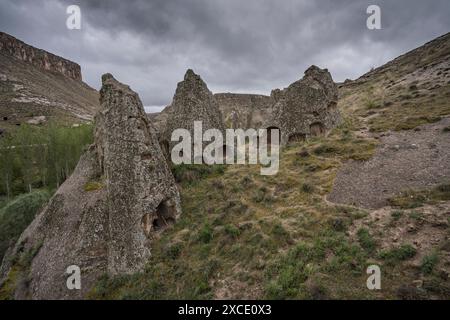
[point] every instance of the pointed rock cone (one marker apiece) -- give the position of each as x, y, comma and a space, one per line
192, 102
104, 215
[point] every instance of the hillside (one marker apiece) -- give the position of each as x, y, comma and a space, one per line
243, 235
35, 83
374, 189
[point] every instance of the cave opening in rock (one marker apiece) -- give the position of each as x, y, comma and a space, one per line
317, 129
163, 217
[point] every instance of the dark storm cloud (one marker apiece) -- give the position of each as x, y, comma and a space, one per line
243, 46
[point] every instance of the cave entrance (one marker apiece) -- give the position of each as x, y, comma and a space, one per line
297, 137
163, 217
317, 129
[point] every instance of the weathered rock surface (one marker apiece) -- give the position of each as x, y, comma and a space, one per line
307, 107
244, 110
192, 102
104, 216
34, 82
38, 57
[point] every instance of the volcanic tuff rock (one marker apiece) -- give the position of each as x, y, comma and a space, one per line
244, 110
192, 102
104, 216
307, 107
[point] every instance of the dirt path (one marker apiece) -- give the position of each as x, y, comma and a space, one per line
416, 159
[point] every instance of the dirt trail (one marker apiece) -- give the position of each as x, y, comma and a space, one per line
415, 159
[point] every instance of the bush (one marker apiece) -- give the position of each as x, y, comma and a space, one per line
232, 231
396, 215
307, 188
429, 262
17, 215
401, 253
205, 234
365, 240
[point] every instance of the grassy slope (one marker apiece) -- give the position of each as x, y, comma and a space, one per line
243, 235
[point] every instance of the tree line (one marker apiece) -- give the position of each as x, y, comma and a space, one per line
40, 157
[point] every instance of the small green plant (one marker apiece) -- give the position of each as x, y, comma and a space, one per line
366, 240
307, 188
232, 231
396, 215
206, 233
416, 215
429, 262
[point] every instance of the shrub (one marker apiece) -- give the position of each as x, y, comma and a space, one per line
206, 234
365, 240
396, 215
232, 231
429, 262
307, 188
17, 215
401, 253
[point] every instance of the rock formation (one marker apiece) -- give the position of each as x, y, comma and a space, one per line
104, 216
244, 110
36, 83
192, 102
307, 107
37, 57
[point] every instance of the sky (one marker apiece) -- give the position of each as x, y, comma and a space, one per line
250, 46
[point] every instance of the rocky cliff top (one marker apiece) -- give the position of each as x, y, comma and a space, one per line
38, 57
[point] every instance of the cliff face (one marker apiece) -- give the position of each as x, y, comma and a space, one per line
34, 82
38, 57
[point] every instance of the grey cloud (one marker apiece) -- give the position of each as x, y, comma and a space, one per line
243, 46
